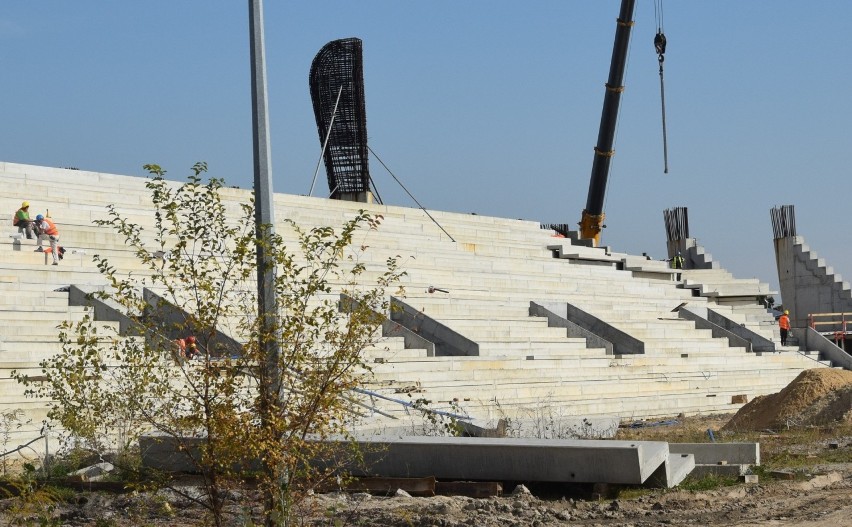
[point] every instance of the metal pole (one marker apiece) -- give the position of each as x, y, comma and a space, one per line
264, 212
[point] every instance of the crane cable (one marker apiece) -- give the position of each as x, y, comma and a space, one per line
660, 47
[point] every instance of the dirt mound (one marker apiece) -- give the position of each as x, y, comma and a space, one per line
816, 397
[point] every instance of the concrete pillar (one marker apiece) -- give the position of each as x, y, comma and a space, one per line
807, 284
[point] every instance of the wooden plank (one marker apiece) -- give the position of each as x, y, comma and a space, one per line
387, 486
471, 489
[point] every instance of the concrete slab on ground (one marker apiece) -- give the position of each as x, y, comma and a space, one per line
671, 473
715, 453
514, 459
477, 458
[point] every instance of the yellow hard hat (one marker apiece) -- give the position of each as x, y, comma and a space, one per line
786, 312
25, 204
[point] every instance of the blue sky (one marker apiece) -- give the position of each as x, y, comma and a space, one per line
487, 107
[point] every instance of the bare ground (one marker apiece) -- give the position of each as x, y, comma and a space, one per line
805, 436
820, 495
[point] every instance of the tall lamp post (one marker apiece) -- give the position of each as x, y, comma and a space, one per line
264, 212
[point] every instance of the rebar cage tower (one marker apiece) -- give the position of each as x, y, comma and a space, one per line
337, 70
783, 221
676, 220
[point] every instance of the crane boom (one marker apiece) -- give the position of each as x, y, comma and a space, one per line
593, 215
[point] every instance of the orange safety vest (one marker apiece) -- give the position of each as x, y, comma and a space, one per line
784, 322
51, 228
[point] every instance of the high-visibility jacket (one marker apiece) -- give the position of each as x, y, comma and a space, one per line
51, 229
784, 322
21, 215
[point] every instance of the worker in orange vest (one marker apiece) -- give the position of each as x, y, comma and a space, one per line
47, 230
181, 345
784, 324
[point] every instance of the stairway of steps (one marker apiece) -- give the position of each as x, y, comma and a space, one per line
492, 270
591, 394
30, 315
700, 258
754, 317
823, 273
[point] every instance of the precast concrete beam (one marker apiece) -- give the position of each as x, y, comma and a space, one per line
714, 453
476, 458
671, 473
512, 459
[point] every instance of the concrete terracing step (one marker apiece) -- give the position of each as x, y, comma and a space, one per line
648, 333
510, 330
531, 383
665, 299
640, 380
27, 329
526, 348
595, 365
12, 317
493, 269
26, 301
630, 308
699, 275
390, 349
720, 283
58, 276
734, 290
400, 355
587, 397
44, 343
753, 317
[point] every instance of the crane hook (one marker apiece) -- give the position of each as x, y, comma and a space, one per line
660, 47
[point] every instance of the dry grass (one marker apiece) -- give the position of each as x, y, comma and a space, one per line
792, 448
683, 430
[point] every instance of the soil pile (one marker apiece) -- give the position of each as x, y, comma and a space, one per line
816, 397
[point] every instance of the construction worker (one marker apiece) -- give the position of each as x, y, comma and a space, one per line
191, 350
677, 261
784, 325
22, 220
46, 229
181, 346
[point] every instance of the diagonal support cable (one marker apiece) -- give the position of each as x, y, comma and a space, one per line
409, 193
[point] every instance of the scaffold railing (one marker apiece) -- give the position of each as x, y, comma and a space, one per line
832, 325
833, 321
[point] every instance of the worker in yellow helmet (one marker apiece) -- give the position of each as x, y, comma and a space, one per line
22, 220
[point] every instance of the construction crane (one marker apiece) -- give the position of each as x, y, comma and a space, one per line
592, 221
